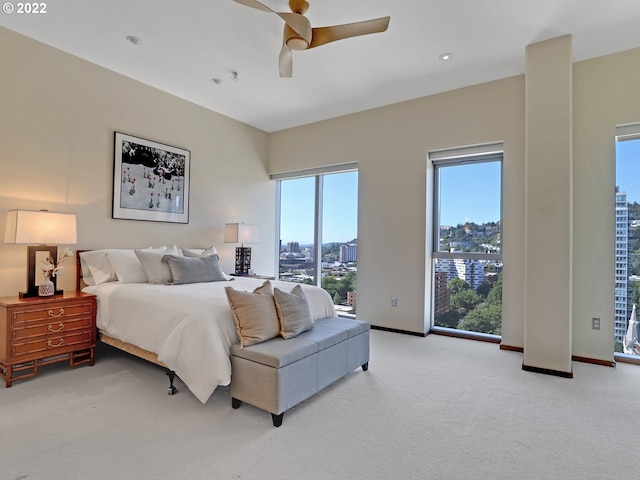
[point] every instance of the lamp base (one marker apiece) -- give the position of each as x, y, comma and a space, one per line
33, 293
243, 260
35, 254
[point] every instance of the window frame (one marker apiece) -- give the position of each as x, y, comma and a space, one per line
485, 153
623, 133
318, 173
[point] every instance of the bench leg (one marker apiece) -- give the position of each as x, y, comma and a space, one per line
365, 367
277, 419
235, 403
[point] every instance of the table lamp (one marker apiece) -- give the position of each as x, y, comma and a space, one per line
242, 233
39, 229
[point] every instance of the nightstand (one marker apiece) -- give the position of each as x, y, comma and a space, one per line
40, 331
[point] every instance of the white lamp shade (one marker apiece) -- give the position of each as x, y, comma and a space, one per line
241, 233
40, 227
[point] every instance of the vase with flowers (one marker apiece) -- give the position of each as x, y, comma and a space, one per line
50, 268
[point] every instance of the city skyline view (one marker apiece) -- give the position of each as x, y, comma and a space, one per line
341, 190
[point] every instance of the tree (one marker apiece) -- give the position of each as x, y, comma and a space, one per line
456, 285
448, 319
350, 280
495, 295
485, 319
484, 288
465, 301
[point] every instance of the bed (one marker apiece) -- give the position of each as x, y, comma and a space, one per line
187, 328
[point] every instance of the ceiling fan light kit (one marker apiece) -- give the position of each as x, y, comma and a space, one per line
299, 35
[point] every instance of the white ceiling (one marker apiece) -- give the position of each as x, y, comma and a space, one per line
186, 43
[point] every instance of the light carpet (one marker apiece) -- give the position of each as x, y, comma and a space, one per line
428, 408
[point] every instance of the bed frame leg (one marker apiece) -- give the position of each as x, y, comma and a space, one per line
172, 376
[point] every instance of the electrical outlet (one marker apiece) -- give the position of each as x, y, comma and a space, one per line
394, 302
595, 323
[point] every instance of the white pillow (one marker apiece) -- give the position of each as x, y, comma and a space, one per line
155, 269
96, 268
199, 252
127, 266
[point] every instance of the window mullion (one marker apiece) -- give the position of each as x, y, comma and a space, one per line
317, 254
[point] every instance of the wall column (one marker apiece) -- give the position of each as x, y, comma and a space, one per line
548, 207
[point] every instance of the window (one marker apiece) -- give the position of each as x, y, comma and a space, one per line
627, 239
467, 236
318, 233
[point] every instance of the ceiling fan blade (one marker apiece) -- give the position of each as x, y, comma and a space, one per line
254, 4
286, 61
323, 35
299, 23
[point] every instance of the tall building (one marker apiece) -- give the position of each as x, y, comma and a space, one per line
622, 291
348, 252
293, 247
441, 294
471, 271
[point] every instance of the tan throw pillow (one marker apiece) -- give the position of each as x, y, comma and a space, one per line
264, 289
293, 312
254, 314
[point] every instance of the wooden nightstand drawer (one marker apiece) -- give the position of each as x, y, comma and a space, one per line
50, 346
50, 312
26, 331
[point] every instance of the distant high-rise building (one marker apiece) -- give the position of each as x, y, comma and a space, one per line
293, 247
348, 252
623, 305
441, 294
471, 271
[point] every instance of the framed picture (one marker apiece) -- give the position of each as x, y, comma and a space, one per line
150, 180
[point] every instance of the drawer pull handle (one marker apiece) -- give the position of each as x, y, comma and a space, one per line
59, 344
61, 312
56, 330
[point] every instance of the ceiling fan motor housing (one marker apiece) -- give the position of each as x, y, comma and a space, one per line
299, 6
293, 40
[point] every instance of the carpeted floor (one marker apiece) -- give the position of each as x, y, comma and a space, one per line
428, 408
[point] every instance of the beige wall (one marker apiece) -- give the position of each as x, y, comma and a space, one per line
58, 115
606, 94
391, 146
548, 212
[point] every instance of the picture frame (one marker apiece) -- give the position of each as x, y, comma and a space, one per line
150, 180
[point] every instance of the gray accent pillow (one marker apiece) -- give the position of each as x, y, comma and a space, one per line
154, 268
293, 312
200, 252
194, 270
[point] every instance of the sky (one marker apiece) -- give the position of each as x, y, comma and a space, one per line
628, 168
340, 209
468, 192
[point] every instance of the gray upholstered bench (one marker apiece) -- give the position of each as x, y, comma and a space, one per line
277, 374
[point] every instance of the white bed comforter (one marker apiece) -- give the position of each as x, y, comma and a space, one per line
190, 327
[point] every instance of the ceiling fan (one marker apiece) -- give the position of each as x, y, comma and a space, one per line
298, 34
